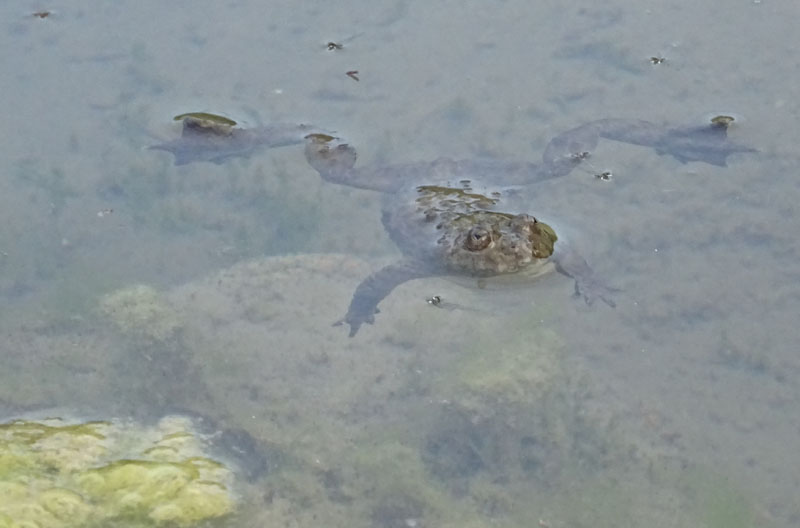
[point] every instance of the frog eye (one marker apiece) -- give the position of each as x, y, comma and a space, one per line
478, 238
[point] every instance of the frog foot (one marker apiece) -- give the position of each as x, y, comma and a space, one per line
327, 158
592, 290
355, 320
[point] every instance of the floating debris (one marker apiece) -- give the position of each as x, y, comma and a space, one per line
41, 14
353, 74
334, 46
657, 60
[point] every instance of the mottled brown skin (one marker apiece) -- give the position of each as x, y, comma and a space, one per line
462, 231
447, 221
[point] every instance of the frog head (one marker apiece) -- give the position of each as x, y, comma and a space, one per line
491, 243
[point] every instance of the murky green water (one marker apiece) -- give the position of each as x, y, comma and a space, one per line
131, 288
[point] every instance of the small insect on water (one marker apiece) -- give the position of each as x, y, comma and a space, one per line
436, 300
353, 74
605, 175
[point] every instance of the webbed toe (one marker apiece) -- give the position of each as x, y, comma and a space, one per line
593, 290
327, 157
355, 320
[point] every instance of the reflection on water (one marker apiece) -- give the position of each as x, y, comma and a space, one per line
132, 288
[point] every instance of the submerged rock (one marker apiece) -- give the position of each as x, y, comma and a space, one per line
141, 312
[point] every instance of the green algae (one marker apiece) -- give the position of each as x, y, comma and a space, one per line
521, 370
717, 502
55, 474
394, 478
384, 484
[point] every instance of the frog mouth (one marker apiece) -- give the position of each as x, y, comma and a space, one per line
543, 239
539, 237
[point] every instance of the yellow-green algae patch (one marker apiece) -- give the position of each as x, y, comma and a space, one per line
56, 474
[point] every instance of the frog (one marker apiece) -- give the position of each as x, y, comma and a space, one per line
465, 217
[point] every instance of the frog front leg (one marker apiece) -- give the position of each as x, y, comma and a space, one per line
375, 288
587, 285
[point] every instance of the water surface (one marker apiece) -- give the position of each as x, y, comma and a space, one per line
694, 375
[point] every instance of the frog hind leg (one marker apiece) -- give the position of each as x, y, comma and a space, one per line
375, 288
707, 143
333, 162
199, 144
565, 151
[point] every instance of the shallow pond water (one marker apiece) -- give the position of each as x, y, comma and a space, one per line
133, 287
